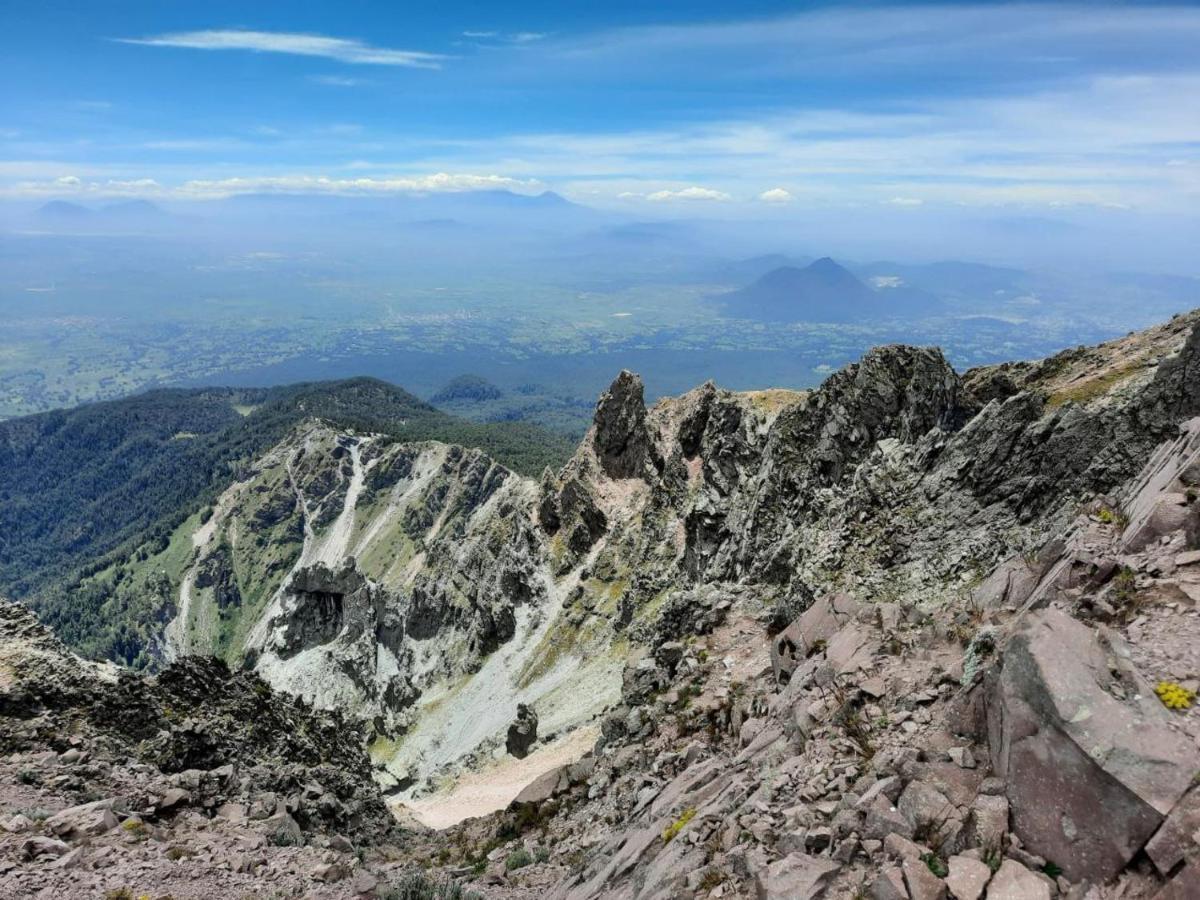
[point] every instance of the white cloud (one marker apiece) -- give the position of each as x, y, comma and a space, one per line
441, 182
688, 193
342, 49
905, 201
73, 185
776, 195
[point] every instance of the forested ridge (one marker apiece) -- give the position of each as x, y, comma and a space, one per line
82, 489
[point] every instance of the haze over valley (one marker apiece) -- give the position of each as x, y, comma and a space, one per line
599, 451
105, 300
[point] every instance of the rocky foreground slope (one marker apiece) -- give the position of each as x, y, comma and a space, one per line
909, 635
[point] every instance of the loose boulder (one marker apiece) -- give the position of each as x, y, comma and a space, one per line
810, 633
1091, 762
522, 733
797, 876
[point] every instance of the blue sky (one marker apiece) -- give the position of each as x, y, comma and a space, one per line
723, 107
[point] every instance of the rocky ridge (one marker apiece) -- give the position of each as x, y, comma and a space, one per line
198, 780
820, 632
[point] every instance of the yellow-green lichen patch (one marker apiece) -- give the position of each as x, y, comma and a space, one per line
560, 639
671, 831
1085, 391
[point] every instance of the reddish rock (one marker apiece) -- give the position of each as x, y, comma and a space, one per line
889, 885
1091, 762
816, 626
545, 786
1015, 882
967, 877
797, 876
1177, 836
921, 882
1184, 886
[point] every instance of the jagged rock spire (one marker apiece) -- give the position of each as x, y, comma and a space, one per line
620, 437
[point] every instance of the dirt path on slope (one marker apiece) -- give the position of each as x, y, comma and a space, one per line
480, 793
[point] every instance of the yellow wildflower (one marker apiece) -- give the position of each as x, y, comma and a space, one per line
1174, 696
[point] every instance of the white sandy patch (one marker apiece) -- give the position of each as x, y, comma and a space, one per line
493, 788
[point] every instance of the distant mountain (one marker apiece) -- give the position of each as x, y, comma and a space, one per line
133, 208
743, 270
821, 292
510, 199
63, 210
121, 216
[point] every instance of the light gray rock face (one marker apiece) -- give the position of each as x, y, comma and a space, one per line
1091, 762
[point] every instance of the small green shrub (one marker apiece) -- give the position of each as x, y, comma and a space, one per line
284, 838
518, 859
541, 854
982, 645
936, 865
420, 886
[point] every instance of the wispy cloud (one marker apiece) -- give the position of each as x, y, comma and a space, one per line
489, 37
336, 81
345, 50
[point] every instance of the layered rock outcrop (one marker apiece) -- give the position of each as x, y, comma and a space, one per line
429, 591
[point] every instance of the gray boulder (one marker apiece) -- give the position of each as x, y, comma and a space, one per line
522, 733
